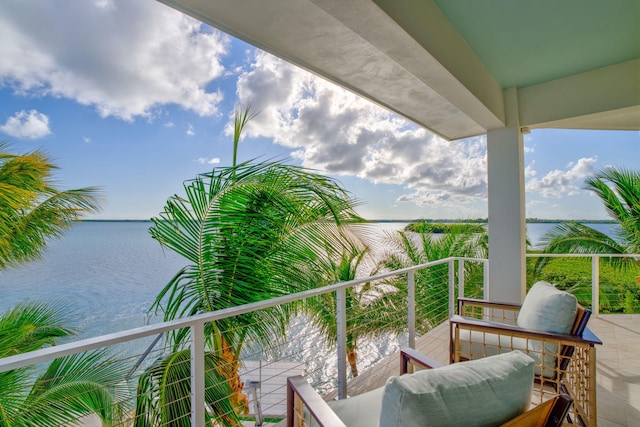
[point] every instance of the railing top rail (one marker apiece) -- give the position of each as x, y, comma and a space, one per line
42, 355
537, 255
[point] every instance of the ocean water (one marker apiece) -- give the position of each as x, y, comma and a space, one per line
109, 273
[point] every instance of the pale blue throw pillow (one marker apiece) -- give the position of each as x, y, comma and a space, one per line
483, 392
548, 309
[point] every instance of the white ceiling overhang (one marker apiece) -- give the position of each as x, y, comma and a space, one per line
410, 58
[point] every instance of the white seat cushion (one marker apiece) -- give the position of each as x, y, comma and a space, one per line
361, 410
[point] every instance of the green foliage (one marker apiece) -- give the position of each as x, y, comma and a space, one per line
438, 228
619, 290
32, 326
370, 306
619, 191
164, 390
31, 212
243, 231
31, 209
432, 284
69, 388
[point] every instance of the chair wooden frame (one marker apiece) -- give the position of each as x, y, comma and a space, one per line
574, 372
303, 401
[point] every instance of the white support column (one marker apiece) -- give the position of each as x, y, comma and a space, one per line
507, 231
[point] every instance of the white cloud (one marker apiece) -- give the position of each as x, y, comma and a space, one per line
558, 183
529, 171
333, 130
27, 125
208, 161
190, 130
124, 58
86, 139
169, 124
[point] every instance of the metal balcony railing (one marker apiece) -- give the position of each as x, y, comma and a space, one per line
586, 282
303, 350
429, 293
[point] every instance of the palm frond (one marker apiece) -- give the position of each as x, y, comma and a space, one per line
69, 388
567, 238
31, 210
432, 283
164, 390
31, 326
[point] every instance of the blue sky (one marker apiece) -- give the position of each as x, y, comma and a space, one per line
136, 98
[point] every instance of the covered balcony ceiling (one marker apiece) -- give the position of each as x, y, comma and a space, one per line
445, 63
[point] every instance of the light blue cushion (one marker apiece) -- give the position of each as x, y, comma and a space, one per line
362, 410
548, 309
484, 392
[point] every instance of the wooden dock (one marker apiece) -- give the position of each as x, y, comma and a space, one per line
272, 379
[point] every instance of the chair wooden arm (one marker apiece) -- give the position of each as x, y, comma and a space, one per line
515, 331
488, 304
548, 414
298, 389
411, 356
589, 336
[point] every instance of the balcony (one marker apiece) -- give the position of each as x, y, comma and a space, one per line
324, 362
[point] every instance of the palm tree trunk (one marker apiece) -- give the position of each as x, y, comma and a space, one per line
352, 356
230, 369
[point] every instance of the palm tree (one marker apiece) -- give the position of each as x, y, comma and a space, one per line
619, 190
370, 306
31, 209
69, 388
163, 386
31, 212
243, 229
431, 284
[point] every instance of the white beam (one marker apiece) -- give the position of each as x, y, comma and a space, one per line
450, 66
507, 231
606, 98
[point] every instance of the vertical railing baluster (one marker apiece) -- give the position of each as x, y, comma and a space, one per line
461, 278
341, 322
595, 285
485, 279
197, 375
452, 286
411, 315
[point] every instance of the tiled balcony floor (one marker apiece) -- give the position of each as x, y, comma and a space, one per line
618, 373
618, 364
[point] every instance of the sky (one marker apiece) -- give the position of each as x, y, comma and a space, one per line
136, 98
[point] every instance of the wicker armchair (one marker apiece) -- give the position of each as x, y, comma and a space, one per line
306, 408
565, 362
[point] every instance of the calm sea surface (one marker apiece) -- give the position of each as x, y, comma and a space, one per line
108, 273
